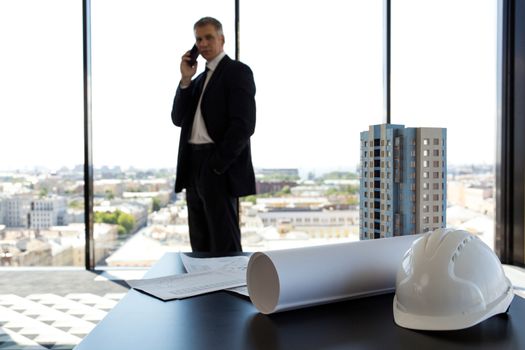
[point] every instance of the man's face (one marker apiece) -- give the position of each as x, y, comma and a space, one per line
209, 42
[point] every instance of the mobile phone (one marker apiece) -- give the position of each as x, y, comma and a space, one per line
194, 53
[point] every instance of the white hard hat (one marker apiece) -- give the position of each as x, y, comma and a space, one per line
449, 279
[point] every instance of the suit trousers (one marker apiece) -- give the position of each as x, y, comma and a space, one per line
213, 215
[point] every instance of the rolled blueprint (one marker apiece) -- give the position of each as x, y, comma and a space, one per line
294, 278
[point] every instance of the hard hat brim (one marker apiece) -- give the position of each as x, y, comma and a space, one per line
406, 319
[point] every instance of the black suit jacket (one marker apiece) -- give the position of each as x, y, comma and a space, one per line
228, 110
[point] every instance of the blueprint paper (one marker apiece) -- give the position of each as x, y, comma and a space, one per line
189, 284
294, 278
236, 264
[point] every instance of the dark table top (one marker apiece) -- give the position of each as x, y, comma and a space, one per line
223, 320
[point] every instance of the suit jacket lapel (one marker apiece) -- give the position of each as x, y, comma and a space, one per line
217, 73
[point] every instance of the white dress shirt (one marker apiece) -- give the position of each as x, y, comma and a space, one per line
199, 134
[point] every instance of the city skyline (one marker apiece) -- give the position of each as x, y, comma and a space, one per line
304, 173
286, 214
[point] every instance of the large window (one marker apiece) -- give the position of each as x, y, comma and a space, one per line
41, 157
319, 74
444, 69
318, 71
136, 51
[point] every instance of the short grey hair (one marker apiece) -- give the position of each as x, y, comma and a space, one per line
209, 20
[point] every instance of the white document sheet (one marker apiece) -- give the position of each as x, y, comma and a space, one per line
189, 284
236, 264
294, 278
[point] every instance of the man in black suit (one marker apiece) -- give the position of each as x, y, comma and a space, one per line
216, 113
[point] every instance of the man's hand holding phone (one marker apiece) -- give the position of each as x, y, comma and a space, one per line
188, 65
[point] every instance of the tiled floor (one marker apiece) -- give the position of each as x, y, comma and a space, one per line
55, 309
50, 321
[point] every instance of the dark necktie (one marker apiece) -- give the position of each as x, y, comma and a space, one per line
203, 80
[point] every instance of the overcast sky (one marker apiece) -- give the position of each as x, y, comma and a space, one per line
318, 67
